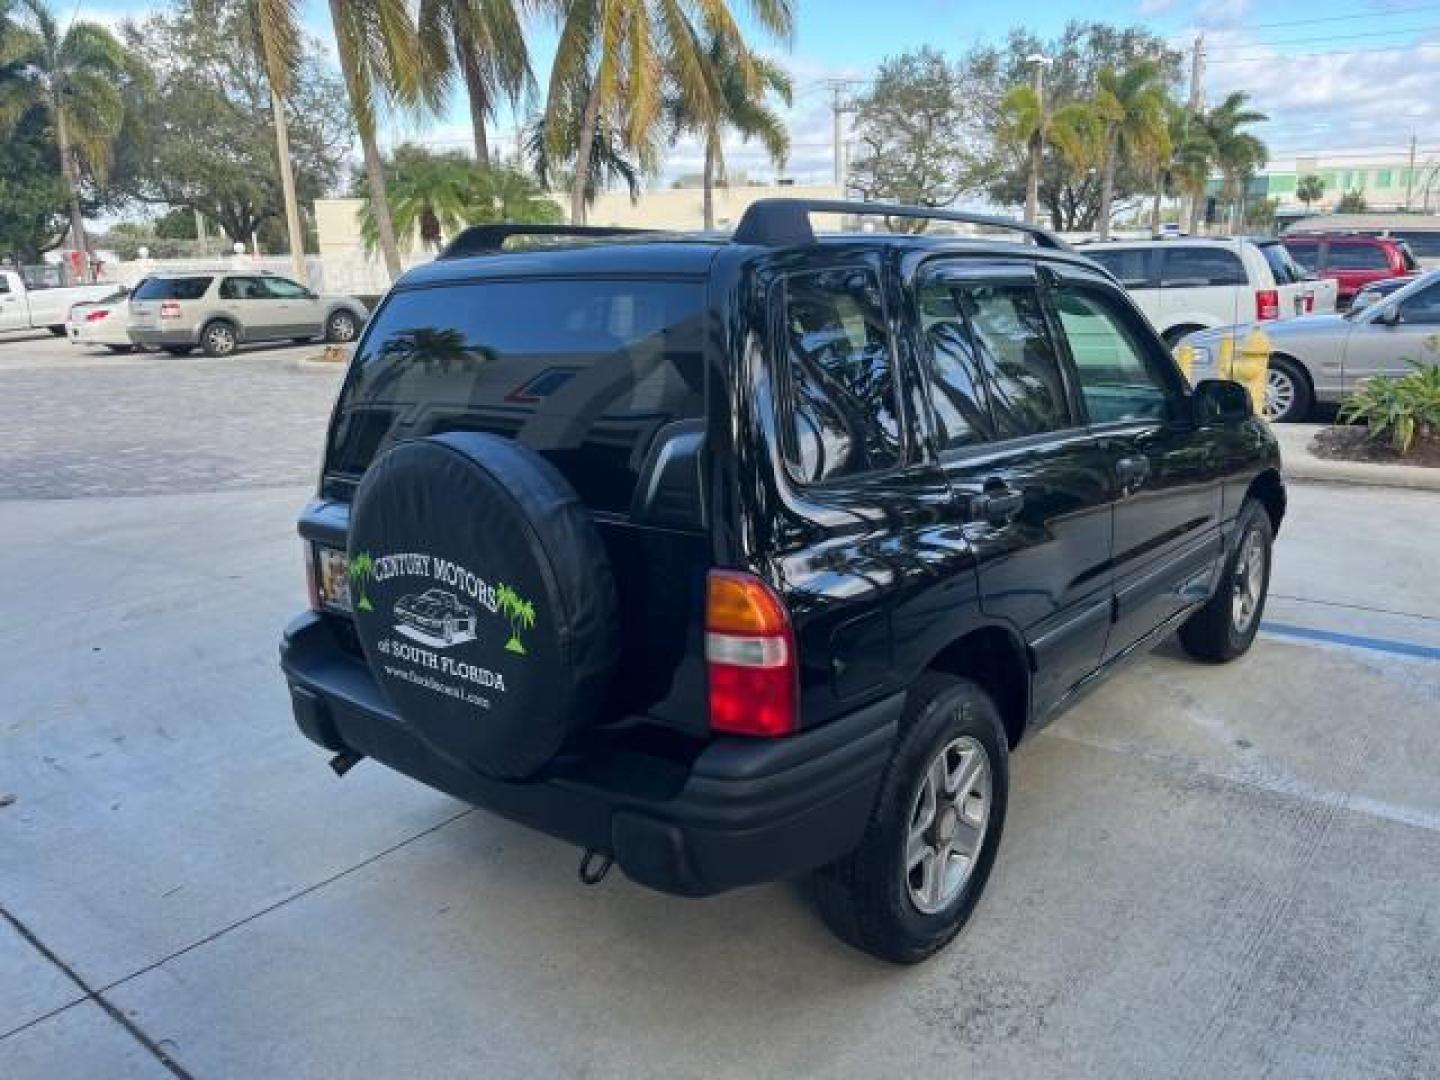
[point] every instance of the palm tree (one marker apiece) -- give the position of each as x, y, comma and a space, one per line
743, 107
613, 55
1023, 124
1309, 190
553, 159
1131, 107
520, 612
380, 58
485, 40
73, 77
1237, 153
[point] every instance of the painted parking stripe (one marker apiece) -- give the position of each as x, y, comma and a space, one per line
1354, 641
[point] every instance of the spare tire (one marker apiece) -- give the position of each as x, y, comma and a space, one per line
484, 600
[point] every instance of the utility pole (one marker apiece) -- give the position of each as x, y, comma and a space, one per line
1038, 63
1410, 172
1190, 205
838, 108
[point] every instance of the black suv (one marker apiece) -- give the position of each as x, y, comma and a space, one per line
738, 558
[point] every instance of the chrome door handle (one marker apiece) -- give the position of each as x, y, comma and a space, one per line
1132, 471
998, 505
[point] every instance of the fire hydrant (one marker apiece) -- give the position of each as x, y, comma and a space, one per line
1246, 362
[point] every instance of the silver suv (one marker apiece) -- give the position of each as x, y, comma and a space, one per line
216, 312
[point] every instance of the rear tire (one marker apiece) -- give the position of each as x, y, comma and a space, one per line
880, 898
1226, 626
58, 331
1288, 397
219, 339
341, 326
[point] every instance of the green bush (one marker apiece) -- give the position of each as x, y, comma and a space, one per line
1404, 408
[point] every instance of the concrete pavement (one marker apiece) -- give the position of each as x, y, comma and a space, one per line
1207, 871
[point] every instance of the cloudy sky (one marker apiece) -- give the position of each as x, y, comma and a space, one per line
1336, 76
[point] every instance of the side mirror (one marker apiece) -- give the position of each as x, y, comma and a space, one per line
1221, 401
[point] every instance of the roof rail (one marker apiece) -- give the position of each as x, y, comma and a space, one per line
780, 222
490, 239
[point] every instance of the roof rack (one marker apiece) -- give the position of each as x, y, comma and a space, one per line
490, 239
781, 222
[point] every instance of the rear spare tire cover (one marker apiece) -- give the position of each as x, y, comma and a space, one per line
484, 599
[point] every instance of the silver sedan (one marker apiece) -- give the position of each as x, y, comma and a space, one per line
1322, 358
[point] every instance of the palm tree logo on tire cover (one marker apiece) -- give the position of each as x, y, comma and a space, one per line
520, 612
362, 570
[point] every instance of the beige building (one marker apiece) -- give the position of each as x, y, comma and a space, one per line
337, 221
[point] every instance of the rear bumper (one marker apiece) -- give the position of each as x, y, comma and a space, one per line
161, 338
741, 812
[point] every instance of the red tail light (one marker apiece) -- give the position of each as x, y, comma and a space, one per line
170, 309
1309, 303
96, 316
1267, 304
750, 648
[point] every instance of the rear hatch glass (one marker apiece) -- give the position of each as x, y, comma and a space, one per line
584, 372
171, 288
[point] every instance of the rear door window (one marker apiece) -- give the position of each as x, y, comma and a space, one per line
1305, 252
584, 372
189, 288
243, 288
1018, 359
1284, 268
841, 418
1192, 267
1129, 266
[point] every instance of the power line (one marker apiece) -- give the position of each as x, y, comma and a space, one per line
1263, 57
1327, 39
1346, 18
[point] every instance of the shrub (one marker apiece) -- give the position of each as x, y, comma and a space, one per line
1405, 408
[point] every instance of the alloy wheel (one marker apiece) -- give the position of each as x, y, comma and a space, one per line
1279, 394
1248, 584
220, 340
947, 825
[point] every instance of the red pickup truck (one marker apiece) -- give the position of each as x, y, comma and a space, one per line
1352, 261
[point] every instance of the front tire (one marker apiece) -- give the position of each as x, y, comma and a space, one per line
219, 339
1288, 398
1226, 626
910, 886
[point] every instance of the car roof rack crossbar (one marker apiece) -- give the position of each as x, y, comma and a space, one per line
784, 222
490, 239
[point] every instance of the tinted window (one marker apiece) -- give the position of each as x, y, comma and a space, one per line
582, 372
243, 288
962, 413
1306, 253
284, 289
1182, 267
1284, 268
1423, 306
1017, 354
1116, 381
4, 284
842, 417
1130, 267
1356, 257
187, 288
1424, 245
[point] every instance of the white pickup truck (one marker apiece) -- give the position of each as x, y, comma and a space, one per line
24, 308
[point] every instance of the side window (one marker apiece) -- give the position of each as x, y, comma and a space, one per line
1306, 254
957, 392
4, 284
1183, 267
284, 289
1129, 266
1357, 257
842, 418
1017, 355
241, 288
1116, 380
1422, 307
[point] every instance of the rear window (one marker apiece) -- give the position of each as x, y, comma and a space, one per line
1424, 245
1305, 252
188, 288
1285, 269
1129, 266
584, 373
1356, 257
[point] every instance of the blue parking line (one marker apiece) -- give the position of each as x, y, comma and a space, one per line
1355, 641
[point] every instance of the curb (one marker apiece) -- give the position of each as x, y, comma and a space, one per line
1298, 463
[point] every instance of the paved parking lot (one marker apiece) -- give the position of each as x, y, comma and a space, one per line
1227, 872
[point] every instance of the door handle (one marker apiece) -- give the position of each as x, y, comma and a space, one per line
1132, 471
998, 504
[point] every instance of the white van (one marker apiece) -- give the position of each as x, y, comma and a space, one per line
1191, 284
